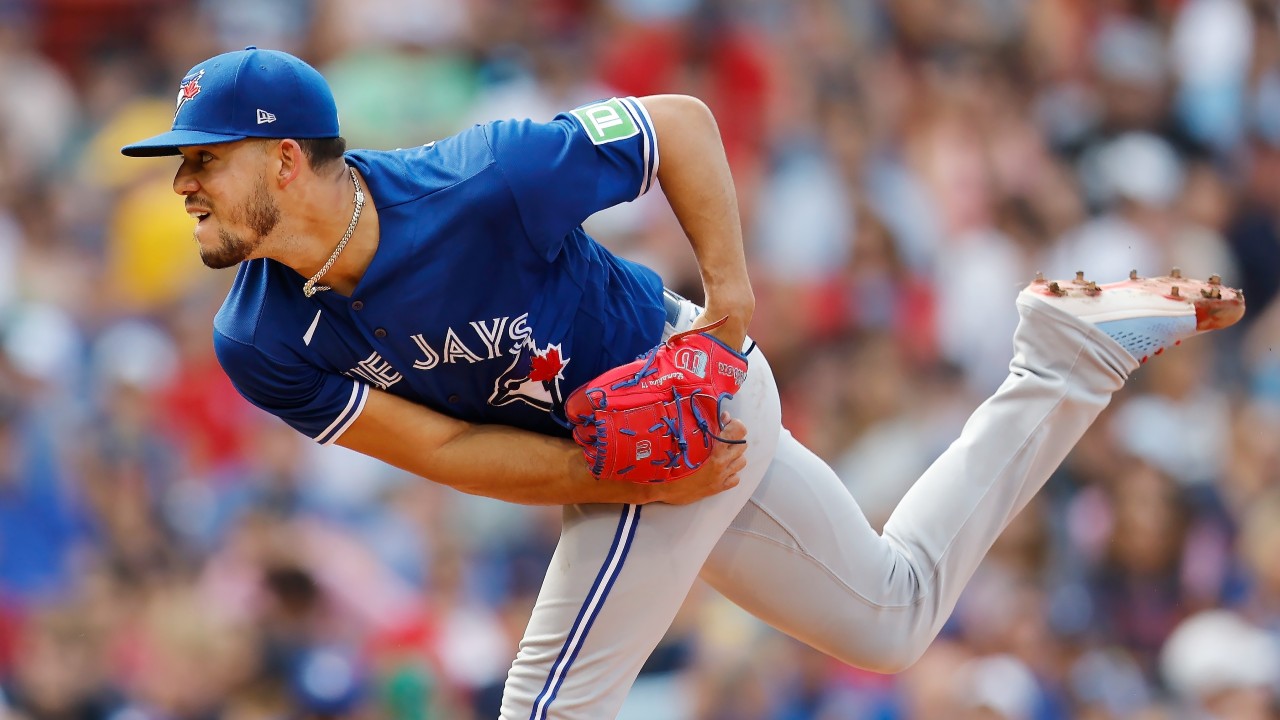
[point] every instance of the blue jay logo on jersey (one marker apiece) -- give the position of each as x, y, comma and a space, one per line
533, 378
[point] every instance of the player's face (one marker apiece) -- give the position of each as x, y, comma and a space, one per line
226, 191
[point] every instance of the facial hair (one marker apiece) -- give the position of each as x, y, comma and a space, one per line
260, 214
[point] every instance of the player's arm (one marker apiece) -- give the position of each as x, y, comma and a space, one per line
511, 464
607, 153
695, 178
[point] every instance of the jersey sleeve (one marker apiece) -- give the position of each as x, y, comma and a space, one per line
583, 161
316, 403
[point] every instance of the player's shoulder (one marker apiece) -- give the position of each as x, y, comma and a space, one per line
407, 174
510, 138
260, 337
616, 123
255, 303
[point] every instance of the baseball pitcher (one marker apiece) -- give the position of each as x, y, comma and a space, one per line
441, 308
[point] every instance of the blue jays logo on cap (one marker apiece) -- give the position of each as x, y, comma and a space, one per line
250, 93
189, 89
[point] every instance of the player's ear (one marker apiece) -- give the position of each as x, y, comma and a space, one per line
288, 161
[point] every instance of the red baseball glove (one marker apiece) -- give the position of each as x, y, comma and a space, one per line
652, 420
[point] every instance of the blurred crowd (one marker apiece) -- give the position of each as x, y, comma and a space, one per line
167, 552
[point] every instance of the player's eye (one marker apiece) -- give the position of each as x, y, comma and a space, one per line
206, 157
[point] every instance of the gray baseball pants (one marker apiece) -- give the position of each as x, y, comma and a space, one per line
791, 546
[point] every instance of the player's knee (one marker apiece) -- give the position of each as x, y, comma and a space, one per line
901, 659
893, 654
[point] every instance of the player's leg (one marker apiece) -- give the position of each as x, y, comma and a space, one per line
802, 556
619, 575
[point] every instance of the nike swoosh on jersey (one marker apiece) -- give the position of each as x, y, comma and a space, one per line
306, 339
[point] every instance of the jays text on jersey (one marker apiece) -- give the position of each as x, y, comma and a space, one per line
485, 300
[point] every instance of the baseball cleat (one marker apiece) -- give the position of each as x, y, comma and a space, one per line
1146, 315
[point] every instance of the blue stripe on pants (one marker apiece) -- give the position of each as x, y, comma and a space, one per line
608, 574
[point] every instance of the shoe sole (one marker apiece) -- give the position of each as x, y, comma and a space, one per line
1173, 295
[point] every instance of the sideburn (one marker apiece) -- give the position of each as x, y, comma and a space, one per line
262, 214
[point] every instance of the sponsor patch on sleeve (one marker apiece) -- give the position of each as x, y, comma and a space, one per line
607, 121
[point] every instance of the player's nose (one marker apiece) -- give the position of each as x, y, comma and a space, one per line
184, 181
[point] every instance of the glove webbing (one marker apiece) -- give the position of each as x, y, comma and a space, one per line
673, 427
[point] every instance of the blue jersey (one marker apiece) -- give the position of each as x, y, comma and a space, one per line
485, 300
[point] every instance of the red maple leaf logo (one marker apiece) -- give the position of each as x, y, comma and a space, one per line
545, 368
186, 91
191, 88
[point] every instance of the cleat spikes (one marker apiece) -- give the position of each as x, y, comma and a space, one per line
1133, 274
1143, 314
1039, 278
1176, 272
1080, 277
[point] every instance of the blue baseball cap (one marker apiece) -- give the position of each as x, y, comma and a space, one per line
248, 93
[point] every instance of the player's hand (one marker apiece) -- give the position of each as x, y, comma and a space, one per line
719, 473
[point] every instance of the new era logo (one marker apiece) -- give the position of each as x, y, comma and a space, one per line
265, 117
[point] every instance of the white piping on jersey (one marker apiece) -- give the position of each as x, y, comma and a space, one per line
364, 397
640, 116
306, 339
355, 405
629, 106
652, 134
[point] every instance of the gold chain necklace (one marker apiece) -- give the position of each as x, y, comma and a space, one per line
309, 287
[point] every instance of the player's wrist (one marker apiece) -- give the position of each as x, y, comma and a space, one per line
736, 302
587, 488
621, 492
736, 298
